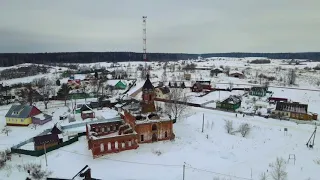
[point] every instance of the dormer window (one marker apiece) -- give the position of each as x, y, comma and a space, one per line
15, 113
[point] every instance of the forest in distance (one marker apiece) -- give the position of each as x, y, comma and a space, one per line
11, 59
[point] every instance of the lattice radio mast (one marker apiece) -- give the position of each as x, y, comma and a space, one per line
144, 39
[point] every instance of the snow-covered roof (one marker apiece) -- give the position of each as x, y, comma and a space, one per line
42, 116
235, 72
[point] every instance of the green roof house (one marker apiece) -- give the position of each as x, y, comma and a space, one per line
230, 104
258, 91
120, 85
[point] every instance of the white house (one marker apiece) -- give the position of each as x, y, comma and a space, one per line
162, 92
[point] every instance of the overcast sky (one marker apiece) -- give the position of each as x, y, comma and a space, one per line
192, 26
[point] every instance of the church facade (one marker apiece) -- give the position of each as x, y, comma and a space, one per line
140, 124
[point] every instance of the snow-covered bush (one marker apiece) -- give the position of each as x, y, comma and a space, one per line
157, 152
35, 171
244, 129
317, 161
229, 126
278, 171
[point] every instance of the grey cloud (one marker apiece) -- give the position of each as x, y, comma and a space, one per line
173, 26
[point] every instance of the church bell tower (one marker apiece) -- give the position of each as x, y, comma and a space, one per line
148, 95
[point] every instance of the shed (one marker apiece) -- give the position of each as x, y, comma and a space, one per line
41, 119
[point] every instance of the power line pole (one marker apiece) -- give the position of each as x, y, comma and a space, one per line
45, 153
202, 122
184, 169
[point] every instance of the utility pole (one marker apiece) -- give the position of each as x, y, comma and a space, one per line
202, 122
184, 169
45, 153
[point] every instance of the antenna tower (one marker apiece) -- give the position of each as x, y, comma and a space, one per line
144, 39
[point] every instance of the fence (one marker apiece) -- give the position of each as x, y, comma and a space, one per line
178, 102
38, 153
31, 139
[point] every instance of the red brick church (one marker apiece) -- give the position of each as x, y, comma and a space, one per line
140, 124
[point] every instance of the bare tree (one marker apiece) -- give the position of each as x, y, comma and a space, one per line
278, 171
27, 95
244, 129
227, 70
177, 107
292, 76
64, 92
263, 176
229, 126
179, 68
143, 73
6, 130
45, 88
164, 77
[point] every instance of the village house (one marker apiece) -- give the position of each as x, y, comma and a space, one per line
46, 141
140, 123
231, 103
199, 86
274, 100
87, 114
21, 115
294, 110
258, 91
216, 71
187, 77
162, 92
236, 74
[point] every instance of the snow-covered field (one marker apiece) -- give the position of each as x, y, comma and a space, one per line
208, 154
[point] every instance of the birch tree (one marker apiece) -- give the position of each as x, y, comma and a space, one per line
177, 107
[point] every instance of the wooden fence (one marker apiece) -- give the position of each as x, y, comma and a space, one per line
38, 153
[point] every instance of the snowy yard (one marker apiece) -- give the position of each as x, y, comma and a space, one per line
204, 153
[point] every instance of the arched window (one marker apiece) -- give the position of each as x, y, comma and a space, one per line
154, 127
101, 147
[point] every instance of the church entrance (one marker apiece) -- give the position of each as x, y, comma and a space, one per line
154, 137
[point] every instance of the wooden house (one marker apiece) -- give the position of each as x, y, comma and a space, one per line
236, 74
199, 86
294, 110
21, 115
258, 91
162, 92
231, 103
46, 141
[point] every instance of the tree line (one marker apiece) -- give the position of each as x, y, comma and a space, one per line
11, 59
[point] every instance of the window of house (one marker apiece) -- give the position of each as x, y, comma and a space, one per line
165, 134
15, 113
141, 138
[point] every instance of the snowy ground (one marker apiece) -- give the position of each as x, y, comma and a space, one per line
213, 153
231, 155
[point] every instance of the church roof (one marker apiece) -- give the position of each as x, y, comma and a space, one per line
147, 84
